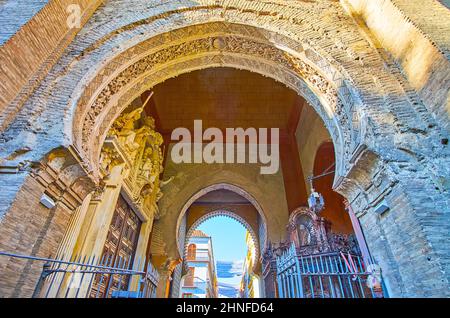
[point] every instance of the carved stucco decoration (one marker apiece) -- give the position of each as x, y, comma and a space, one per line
293, 25
244, 48
136, 143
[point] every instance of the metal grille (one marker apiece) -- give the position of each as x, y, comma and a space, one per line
74, 279
327, 275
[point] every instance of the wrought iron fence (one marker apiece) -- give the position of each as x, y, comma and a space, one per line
88, 277
327, 275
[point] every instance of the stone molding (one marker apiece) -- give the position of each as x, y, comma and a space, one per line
63, 178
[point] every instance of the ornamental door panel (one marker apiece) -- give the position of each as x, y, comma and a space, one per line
118, 251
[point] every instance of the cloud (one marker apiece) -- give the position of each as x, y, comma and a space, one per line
227, 290
228, 277
226, 269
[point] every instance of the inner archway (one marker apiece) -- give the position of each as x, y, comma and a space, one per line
223, 206
232, 257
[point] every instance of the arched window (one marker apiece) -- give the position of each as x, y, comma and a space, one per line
192, 251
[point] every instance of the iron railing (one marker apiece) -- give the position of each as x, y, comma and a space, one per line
327, 275
88, 277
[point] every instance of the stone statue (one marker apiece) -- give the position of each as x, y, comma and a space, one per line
147, 164
108, 159
123, 129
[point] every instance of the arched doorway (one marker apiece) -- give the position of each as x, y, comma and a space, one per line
371, 112
232, 258
216, 202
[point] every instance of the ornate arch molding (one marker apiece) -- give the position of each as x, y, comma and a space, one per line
231, 215
224, 46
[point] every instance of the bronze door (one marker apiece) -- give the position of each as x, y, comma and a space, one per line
119, 250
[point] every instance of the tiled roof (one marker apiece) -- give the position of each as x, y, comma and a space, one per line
198, 233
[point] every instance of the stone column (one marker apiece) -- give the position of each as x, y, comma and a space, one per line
68, 245
97, 222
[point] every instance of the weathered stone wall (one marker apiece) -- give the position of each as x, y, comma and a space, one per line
34, 36
384, 102
29, 228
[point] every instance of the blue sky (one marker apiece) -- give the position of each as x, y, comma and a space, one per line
230, 249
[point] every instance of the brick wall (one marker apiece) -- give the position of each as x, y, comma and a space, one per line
31, 45
14, 14
32, 229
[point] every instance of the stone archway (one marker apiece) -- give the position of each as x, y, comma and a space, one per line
232, 188
231, 47
383, 128
231, 215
